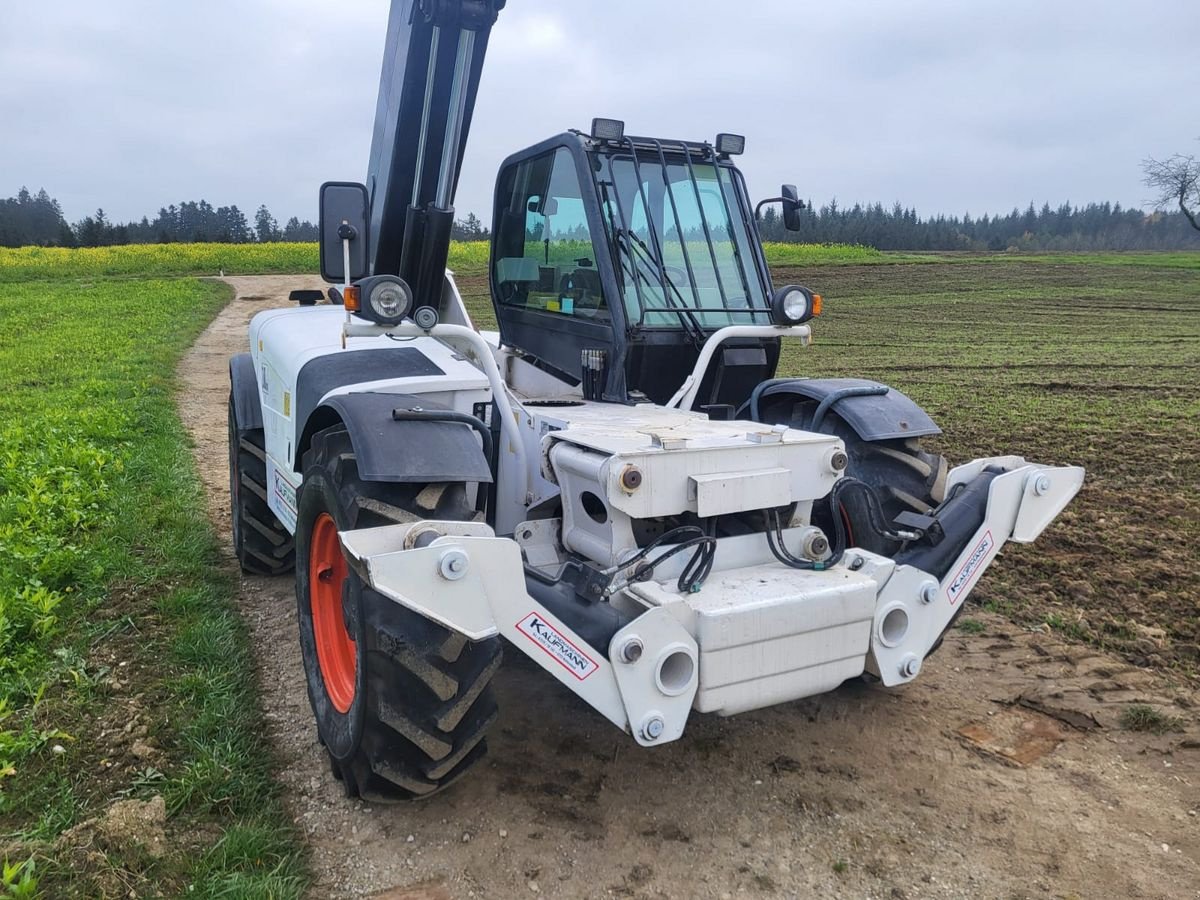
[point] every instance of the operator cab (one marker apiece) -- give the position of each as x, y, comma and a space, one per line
635, 247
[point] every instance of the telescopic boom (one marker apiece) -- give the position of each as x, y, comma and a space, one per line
431, 66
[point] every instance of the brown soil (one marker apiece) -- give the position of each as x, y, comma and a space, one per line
1002, 772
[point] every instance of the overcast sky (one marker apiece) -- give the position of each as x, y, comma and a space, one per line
948, 105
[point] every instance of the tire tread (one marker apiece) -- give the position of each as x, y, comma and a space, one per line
262, 544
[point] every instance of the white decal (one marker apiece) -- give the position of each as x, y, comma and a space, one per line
970, 568
561, 650
282, 498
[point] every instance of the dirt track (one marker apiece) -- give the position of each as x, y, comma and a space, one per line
1002, 772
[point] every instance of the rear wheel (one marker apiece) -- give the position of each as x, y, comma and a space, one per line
263, 546
402, 704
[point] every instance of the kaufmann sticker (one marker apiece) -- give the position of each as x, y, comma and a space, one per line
283, 497
561, 650
970, 568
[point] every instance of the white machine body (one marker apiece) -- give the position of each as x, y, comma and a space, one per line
756, 633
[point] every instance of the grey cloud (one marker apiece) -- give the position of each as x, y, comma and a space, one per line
947, 106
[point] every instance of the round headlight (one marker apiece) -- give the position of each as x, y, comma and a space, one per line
386, 299
795, 306
389, 300
792, 305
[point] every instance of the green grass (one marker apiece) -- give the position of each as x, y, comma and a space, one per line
155, 260
1143, 717
1182, 259
471, 259
781, 254
971, 626
114, 607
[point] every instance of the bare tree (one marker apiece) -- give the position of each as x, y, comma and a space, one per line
1177, 181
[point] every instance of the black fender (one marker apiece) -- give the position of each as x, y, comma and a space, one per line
411, 451
243, 389
875, 411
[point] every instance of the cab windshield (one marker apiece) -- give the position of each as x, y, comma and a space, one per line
685, 256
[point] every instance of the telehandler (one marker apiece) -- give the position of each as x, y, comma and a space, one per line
615, 482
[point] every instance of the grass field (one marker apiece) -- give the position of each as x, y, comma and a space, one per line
471, 259
114, 611
124, 670
1063, 361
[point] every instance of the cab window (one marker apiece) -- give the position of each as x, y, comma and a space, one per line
684, 256
544, 259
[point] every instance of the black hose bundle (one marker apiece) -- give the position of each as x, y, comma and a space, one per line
874, 509
838, 546
692, 578
694, 573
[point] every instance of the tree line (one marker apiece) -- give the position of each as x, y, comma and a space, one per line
37, 219
1096, 226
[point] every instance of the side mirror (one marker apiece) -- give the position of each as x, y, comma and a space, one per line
345, 213
792, 204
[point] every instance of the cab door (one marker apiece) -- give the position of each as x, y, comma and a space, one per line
549, 288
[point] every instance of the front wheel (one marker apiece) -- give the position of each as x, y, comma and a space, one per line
402, 704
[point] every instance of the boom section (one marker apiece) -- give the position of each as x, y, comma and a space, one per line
432, 61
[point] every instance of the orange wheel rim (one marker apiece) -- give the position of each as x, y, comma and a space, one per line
336, 654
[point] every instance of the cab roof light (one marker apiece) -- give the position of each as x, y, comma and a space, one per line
608, 130
731, 144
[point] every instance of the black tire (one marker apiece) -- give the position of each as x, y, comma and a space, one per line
903, 476
263, 546
422, 698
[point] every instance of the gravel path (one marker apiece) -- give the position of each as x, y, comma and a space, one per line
1002, 772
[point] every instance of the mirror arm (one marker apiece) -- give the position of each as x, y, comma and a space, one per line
762, 203
346, 232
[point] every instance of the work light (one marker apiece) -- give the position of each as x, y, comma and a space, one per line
794, 305
384, 299
608, 129
731, 144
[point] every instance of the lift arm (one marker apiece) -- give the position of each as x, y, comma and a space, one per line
431, 66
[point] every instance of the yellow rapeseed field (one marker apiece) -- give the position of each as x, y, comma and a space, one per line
469, 258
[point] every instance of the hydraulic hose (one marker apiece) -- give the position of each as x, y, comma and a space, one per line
694, 573
874, 510
838, 546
